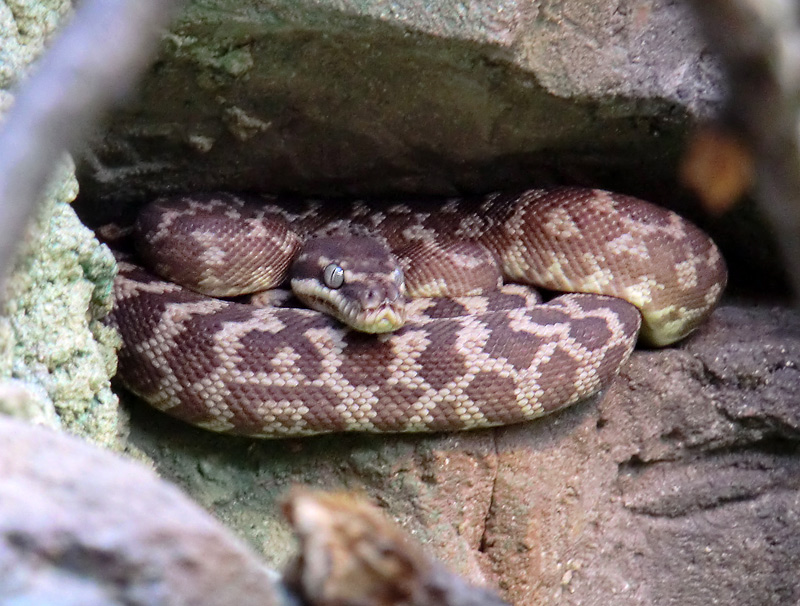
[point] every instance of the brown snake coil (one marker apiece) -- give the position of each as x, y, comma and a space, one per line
467, 363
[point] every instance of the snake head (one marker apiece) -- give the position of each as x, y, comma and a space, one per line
356, 280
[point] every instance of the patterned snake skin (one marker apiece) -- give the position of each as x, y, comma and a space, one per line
476, 361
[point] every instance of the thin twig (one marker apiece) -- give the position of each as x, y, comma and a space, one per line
351, 554
91, 65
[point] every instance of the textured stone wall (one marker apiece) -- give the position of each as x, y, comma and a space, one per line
359, 98
56, 356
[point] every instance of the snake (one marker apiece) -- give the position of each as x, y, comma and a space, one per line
414, 317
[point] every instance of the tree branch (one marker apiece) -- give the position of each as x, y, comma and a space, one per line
91, 65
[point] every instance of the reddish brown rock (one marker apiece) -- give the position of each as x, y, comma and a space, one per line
679, 488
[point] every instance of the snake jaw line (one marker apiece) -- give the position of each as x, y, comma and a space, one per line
387, 318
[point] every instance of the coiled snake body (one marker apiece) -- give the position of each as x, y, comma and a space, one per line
460, 363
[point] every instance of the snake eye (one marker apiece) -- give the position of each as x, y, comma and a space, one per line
333, 276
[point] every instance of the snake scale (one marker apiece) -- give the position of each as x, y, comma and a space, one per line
479, 357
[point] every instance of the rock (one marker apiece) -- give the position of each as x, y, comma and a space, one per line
26, 26
678, 487
372, 98
55, 355
56, 296
79, 526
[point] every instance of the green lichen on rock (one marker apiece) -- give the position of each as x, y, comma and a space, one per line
56, 356
25, 26
56, 297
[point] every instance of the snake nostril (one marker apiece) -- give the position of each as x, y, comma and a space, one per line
372, 297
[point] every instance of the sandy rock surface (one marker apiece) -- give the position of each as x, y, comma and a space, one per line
55, 355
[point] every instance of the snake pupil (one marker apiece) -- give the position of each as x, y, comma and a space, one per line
333, 276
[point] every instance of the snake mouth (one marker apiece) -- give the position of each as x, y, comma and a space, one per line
386, 318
